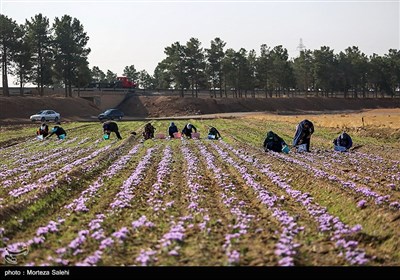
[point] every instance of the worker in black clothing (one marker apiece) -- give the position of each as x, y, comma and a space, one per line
59, 131
148, 131
213, 133
273, 142
188, 129
172, 129
109, 127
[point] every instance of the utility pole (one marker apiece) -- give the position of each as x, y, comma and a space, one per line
301, 47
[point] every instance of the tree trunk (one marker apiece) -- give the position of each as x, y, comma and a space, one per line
192, 81
21, 84
65, 86
40, 86
220, 89
6, 91
70, 88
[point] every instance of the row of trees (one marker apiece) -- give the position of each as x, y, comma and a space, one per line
57, 56
36, 53
243, 72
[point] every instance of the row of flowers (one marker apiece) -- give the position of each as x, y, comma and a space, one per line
286, 245
237, 208
345, 184
40, 235
327, 222
379, 174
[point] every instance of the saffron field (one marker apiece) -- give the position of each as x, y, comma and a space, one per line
85, 201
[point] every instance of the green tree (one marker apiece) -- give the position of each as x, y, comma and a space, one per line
97, 75
251, 80
352, 70
83, 76
377, 78
70, 42
176, 63
237, 71
23, 59
243, 73
230, 69
303, 71
264, 69
324, 61
131, 73
9, 36
195, 64
145, 80
111, 76
39, 38
393, 64
162, 76
215, 56
281, 72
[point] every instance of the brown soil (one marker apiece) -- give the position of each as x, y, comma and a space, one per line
166, 106
18, 109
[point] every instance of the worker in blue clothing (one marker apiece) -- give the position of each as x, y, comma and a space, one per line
304, 130
343, 142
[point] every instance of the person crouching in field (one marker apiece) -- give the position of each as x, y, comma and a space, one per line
188, 129
273, 142
304, 130
213, 133
172, 129
343, 143
59, 131
109, 127
148, 131
43, 130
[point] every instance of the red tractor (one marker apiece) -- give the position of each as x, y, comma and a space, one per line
120, 82
124, 82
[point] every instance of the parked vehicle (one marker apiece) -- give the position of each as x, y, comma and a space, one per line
111, 114
46, 115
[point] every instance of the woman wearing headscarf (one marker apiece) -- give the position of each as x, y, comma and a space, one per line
188, 129
172, 129
304, 130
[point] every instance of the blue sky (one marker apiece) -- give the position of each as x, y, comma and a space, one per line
123, 33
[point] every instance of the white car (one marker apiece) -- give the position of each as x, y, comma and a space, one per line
46, 115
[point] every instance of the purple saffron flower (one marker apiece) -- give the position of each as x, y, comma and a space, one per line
362, 204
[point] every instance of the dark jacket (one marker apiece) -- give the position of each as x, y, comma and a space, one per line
343, 140
188, 129
172, 129
215, 132
273, 142
43, 130
303, 133
148, 131
58, 130
109, 127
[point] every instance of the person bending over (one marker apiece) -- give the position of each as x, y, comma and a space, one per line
109, 127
